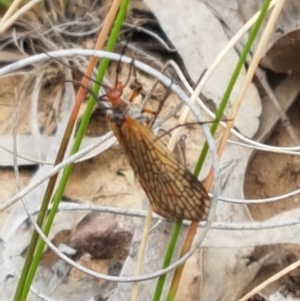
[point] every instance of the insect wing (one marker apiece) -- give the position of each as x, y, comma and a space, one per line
173, 191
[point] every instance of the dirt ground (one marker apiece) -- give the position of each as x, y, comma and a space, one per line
271, 174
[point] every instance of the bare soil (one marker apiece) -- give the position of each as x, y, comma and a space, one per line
271, 174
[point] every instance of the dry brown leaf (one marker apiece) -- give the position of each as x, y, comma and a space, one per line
284, 55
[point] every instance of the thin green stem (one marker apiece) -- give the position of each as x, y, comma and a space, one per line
237, 70
219, 114
167, 259
30, 269
34, 239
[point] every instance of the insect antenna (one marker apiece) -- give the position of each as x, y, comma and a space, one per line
123, 51
78, 83
71, 68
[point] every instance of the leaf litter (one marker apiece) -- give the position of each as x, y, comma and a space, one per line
97, 178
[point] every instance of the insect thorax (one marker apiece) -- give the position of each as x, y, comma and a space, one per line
118, 115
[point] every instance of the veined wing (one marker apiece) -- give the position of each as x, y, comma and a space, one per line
173, 191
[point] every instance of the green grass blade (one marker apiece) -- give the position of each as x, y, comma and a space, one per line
167, 260
29, 271
237, 70
219, 115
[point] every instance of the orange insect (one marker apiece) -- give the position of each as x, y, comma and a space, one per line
173, 191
